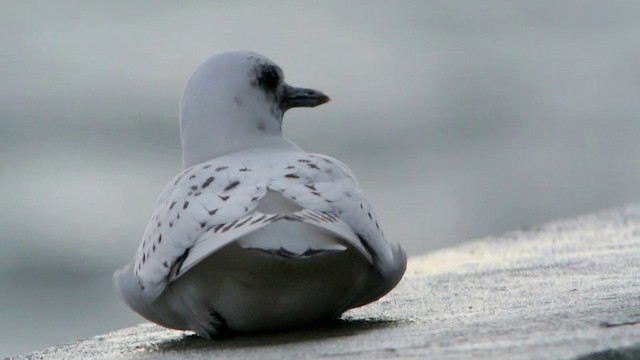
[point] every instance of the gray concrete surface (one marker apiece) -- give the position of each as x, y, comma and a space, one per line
565, 290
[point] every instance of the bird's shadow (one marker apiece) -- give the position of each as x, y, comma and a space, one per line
326, 330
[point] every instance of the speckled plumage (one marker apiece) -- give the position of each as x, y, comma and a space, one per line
261, 235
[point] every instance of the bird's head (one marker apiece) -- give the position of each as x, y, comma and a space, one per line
234, 97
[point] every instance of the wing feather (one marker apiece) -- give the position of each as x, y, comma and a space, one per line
201, 199
335, 225
222, 235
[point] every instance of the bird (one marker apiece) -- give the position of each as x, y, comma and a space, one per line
255, 234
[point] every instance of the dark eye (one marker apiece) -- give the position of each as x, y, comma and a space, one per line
269, 78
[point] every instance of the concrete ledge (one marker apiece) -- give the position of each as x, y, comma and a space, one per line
566, 290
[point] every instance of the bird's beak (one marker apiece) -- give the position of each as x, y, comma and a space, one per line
297, 97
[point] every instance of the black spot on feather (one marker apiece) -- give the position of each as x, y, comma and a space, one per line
292, 176
223, 198
328, 216
272, 218
243, 222
222, 168
185, 205
208, 182
229, 226
232, 185
258, 219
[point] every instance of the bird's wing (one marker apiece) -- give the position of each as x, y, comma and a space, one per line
213, 199
319, 183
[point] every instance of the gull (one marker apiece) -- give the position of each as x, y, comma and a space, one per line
255, 233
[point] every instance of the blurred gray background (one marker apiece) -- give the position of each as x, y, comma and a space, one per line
461, 118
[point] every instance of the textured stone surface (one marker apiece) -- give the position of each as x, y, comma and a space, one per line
565, 290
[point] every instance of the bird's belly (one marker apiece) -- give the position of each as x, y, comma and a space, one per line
244, 290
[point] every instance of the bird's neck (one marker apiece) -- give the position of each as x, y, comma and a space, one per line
206, 140
214, 122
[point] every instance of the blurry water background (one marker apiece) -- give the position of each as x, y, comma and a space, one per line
461, 118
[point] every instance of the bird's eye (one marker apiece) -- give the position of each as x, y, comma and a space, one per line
269, 78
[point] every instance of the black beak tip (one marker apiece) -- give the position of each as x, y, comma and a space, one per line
299, 97
323, 98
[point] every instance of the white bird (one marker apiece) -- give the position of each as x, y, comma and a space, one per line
255, 233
